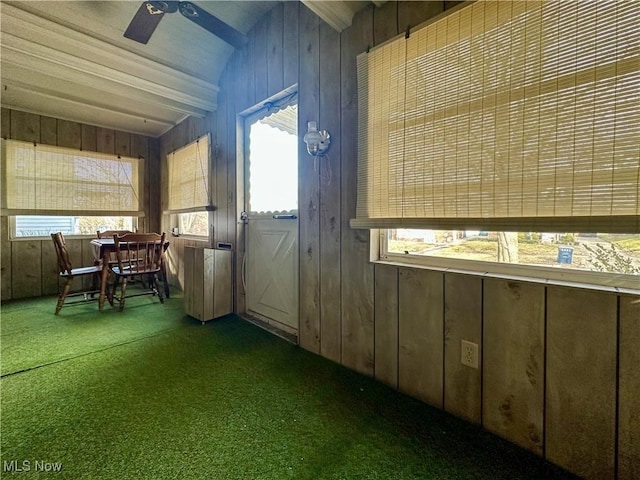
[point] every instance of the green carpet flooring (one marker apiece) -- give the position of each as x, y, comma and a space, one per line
149, 393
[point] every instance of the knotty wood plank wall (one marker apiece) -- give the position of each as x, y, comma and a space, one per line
41, 277
404, 325
309, 197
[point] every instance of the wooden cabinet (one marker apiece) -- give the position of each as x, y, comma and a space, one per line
208, 291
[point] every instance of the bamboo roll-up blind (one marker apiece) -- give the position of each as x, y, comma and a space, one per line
49, 180
189, 177
521, 116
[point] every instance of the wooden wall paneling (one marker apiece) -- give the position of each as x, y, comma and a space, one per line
580, 404
189, 261
260, 59
89, 135
385, 22
386, 324
462, 321
106, 140
244, 98
25, 126
5, 259
203, 125
139, 148
330, 209
164, 145
190, 127
629, 389
411, 14
290, 44
356, 272
242, 89
167, 143
178, 253
5, 123
69, 134
180, 135
122, 144
239, 294
421, 335
26, 258
248, 71
309, 186
275, 61
49, 264
224, 156
153, 164
513, 361
48, 130
231, 163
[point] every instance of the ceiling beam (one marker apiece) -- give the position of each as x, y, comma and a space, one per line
102, 61
78, 111
338, 14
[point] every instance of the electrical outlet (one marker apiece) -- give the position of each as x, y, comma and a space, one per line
469, 354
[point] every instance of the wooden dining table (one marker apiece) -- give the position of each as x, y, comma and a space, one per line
102, 250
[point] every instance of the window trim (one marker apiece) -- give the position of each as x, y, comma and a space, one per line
611, 282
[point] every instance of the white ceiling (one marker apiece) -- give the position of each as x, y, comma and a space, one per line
69, 60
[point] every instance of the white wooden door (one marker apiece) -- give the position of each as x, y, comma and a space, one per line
271, 173
272, 266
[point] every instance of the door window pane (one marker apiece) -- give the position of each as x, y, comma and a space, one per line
273, 165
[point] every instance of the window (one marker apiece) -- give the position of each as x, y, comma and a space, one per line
189, 197
272, 158
45, 225
504, 117
593, 252
49, 189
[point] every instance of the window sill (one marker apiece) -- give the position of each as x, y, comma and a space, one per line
523, 277
44, 238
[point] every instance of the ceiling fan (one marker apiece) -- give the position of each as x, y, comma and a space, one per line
149, 15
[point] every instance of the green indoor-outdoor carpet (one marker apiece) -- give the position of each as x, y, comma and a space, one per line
156, 395
32, 336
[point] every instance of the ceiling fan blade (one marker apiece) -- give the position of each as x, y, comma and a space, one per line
147, 19
212, 24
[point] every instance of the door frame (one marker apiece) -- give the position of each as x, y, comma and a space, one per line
240, 304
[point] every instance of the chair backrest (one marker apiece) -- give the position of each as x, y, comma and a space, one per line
64, 262
139, 252
111, 233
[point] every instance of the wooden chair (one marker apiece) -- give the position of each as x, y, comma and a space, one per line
69, 273
138, 254
111, 233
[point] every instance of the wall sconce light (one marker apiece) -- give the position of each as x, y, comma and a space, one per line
317, 141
